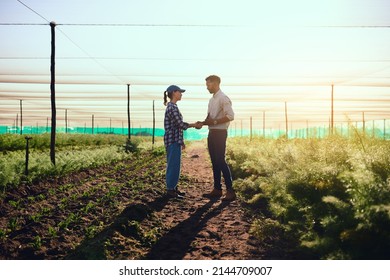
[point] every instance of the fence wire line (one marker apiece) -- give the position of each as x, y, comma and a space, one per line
77, 45
35, 12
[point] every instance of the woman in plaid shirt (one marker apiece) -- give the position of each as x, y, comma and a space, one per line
173, 138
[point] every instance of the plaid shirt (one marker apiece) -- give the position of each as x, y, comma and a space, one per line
173, 125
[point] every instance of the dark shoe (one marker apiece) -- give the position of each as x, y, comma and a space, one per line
215, 193
179, 192
230, 196
174, 194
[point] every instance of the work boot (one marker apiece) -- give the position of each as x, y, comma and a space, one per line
174, 194
229, 196
215, 193
179, 192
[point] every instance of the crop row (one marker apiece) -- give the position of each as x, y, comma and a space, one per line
16, 142
74, 153
12, 165
73, 209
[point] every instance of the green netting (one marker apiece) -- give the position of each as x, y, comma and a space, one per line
379, 131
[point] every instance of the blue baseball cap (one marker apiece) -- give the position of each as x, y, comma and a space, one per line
173, 88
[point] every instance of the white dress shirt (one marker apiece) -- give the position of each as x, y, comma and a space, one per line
220, 106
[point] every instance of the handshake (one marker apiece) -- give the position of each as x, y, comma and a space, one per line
198, 124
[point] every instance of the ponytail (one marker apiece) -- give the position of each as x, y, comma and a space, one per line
166, 95
165, 98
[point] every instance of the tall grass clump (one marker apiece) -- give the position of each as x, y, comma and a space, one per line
332, 194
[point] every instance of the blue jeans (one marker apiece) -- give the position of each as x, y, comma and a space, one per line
216, 142
173, 165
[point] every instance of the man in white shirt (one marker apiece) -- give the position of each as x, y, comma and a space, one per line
219, 116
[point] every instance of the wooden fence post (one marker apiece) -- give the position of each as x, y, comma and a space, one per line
128, 112
53, 99
286, 118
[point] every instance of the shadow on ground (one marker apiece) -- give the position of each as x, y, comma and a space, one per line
125, 223
175, 244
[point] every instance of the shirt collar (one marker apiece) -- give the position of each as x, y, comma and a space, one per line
217, 93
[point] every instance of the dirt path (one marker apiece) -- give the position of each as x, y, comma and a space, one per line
203, 228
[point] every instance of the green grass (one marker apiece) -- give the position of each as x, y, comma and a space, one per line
16, 142
74, 152
12, 165
332, 195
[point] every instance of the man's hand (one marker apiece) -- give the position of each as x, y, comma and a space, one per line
208, 122
198, 125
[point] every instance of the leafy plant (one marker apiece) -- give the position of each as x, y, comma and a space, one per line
71, 219
130, 146
37, 243
36, 217
53, 232
91, 231
15, 203
13, 223
90, 205
3, 234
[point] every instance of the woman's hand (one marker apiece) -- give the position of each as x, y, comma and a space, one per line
198, 125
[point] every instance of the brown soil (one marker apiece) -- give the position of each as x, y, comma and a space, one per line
120, 212
203, 228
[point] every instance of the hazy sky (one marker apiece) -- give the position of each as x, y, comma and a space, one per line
266, 52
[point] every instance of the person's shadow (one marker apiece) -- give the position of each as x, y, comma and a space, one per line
93, 248
176, 242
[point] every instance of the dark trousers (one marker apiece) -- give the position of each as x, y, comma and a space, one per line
216, 143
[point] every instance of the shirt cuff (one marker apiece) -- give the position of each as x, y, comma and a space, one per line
185, 125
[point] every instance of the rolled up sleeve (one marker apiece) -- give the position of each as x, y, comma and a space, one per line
227, 108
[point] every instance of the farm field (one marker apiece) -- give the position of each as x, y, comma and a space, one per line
298, 199
119, 211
